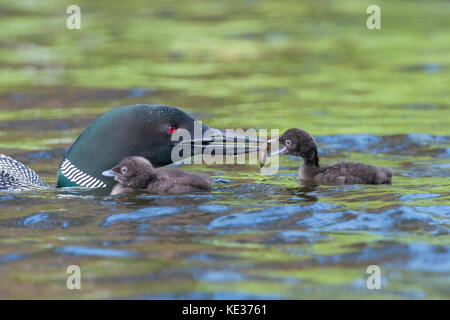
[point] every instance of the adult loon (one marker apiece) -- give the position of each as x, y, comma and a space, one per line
136, 130
298, 142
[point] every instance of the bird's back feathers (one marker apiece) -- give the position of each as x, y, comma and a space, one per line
16, 176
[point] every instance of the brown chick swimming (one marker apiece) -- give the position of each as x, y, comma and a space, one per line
298, 142
137, 173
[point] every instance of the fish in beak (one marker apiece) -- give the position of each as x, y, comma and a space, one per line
273, 148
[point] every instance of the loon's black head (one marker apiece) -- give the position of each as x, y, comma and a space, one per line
139, 130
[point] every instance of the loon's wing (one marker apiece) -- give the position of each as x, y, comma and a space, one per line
15, 175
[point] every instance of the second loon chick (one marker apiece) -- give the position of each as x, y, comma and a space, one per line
298, 142
137, 173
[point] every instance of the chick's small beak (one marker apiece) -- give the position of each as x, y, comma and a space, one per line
109, 173
275, 148
281, 150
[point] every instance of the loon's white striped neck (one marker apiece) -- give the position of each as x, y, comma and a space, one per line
77, 176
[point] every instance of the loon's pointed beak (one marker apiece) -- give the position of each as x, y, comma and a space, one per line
230, 142
109, 173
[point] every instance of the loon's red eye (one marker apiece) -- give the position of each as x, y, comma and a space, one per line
171, 129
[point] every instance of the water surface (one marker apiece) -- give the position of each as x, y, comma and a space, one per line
378, 97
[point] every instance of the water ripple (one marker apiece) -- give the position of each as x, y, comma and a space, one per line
409, 144
266, 215
140, 214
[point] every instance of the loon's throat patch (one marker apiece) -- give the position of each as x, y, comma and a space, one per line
77, 176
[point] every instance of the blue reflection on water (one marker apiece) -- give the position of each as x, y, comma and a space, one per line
97, 252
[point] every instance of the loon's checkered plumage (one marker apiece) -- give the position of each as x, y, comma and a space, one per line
16, 176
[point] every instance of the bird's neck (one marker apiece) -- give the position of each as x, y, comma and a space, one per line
310, 166
311, 159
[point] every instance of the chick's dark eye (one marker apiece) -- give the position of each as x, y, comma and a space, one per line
171, 129
124, 170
